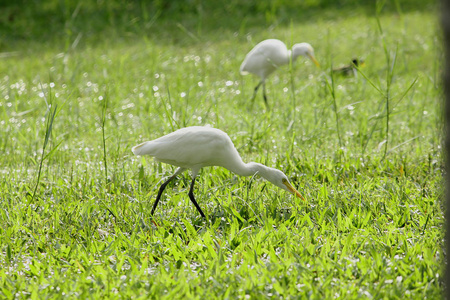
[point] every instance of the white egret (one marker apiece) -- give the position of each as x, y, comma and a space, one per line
268, 55
197, 147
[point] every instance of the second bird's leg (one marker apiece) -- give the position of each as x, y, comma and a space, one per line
191, 196
256, 90
264, 95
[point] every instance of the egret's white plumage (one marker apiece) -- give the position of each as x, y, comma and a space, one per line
197, 147
270, 54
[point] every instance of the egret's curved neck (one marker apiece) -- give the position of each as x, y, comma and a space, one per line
290, 56
249, 169
293, 55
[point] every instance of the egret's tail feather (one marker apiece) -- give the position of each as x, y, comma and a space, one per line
138, 150
242, 70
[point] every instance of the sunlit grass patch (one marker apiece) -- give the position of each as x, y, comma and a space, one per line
371, 226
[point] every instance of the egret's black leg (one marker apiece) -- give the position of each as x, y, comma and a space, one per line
161, 190
163, 186
256, 90
191, 195
264, 95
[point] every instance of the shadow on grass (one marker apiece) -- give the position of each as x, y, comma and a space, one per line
177, 21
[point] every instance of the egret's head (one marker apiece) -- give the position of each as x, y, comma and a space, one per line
279, 179
306, 50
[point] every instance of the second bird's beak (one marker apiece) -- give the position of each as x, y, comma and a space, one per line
293, 190
314, 60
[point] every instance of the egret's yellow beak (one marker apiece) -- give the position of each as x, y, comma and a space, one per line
314, 60
293, 190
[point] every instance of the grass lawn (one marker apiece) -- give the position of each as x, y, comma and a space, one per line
81, 84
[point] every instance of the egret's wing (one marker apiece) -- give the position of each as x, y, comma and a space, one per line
265, 58
186, 147
254, 61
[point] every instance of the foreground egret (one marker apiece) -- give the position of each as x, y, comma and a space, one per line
268, 55
197, 147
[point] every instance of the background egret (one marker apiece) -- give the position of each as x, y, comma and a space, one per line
268, 55
197, 147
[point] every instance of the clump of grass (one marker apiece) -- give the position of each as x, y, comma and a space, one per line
103, 120
49, 120
331, 87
